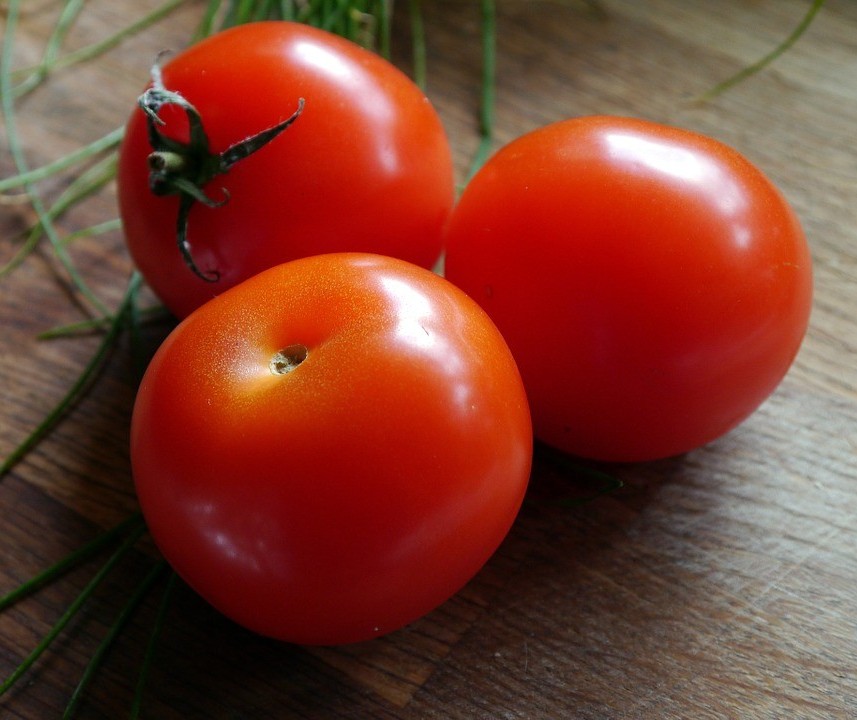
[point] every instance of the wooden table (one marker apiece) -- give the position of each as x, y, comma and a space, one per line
721, 584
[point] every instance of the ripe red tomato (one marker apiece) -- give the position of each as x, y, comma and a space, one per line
331, 449
652, 284
365, 166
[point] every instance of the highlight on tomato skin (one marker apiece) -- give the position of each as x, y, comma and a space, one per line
652, 283
331, 449
364, 165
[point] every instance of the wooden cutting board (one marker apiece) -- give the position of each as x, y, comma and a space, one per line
721, 584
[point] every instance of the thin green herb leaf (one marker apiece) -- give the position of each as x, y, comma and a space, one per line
16, 151
82, 327
263, 10
207, 23
138, 316
115, 629
70, 561
384, 14
151, 647
230, 17
79, 387
29, 244
762, 63
75, 606
51, 62
489, 71
418, 34
86, 184
64, 23
366, 22
108, 141
94, 230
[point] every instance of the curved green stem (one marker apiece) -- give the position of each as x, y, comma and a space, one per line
69, 14
154, 313
185, 168
489, 72
763, 62
79, 386
93, 230
74, 607
87, 183
70, 561
51, 61
17, 154
419, 41
108, 141
152, 645
115, 629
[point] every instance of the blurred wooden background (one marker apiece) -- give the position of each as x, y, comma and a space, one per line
721, 584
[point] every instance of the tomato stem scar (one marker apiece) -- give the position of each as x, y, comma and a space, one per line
287, 359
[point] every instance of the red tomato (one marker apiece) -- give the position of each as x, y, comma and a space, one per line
652, 284
332, 448
366, 166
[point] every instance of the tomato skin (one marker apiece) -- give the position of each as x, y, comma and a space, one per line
653, 285
366, 167
346, 498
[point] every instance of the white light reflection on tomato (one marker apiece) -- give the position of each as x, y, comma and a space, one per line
374, 101
687, 167
416, 316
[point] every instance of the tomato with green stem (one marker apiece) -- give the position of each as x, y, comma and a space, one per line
272, 141
653, 284
332, 448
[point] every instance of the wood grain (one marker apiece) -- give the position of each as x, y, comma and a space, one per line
722, 584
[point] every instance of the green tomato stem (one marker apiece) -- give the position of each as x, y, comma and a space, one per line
185, 168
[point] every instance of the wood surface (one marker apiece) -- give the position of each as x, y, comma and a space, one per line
721, 584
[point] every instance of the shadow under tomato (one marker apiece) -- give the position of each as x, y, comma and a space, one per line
561, 574
605, 566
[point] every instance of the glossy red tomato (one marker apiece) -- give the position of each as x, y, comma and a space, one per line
332, 448
364, 166
653, 285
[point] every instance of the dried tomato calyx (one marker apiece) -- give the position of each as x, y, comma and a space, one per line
185, 168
